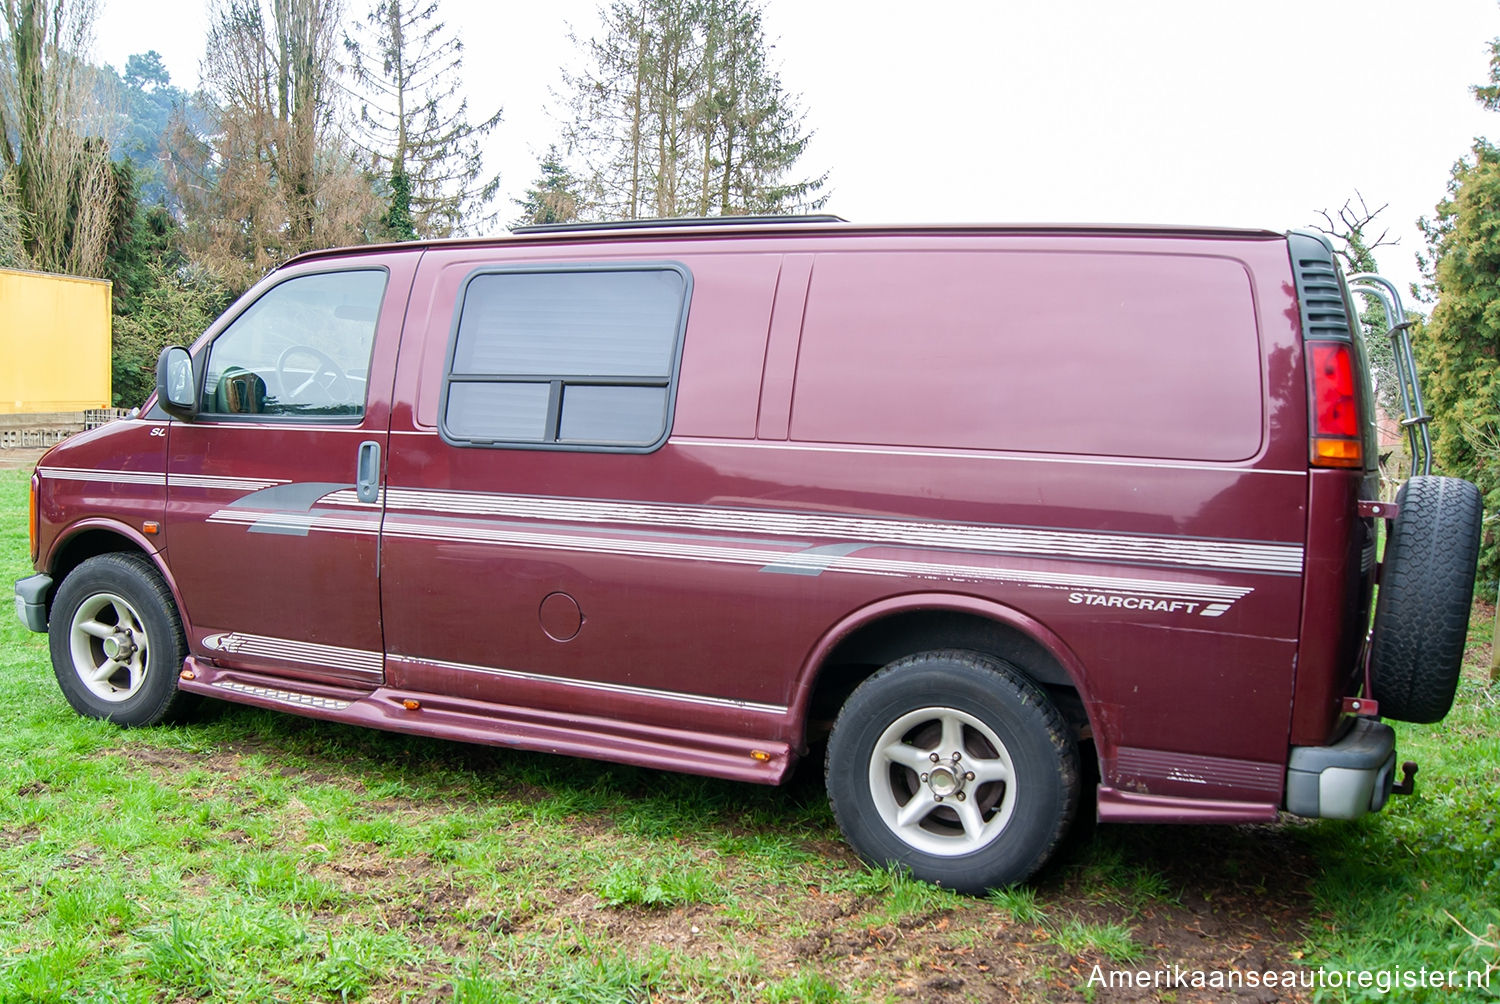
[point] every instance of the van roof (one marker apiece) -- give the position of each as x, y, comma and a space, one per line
782, 226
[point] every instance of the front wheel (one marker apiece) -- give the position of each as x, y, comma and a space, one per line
117, 642
953, 765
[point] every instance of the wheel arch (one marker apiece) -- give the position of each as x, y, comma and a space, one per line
879, 634
89, 538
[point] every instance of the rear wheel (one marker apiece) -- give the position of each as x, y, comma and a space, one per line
954, 765
117, 642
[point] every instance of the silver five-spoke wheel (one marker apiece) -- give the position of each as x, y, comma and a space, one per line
110, 647
117, 641
942, 781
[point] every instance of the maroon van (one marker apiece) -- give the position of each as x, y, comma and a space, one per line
977, 506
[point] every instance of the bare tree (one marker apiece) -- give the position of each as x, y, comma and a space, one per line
1348, 228
61, 179
12, 227
274, 179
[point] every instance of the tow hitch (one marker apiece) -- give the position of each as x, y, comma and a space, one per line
1408, 783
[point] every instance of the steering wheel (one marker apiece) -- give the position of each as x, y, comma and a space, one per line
327, 377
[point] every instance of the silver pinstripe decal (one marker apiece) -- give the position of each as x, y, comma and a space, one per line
766, 555
783, 541
358, 660
602, 687
113, 477
982, 538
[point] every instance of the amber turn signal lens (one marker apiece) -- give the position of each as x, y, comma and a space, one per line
32, 526
1336, 421
1337, 453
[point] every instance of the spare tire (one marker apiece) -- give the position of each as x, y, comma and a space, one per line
1426, 590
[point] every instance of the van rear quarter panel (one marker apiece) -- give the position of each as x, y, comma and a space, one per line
721, 561
1142, 394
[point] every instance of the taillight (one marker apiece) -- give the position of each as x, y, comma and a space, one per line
33, 528
1337, 437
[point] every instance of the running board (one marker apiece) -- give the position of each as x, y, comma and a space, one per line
1117, 806
443, 717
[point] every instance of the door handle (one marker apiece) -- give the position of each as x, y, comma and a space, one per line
367, 472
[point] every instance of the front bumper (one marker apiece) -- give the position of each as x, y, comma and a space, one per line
1346, 780
31, 601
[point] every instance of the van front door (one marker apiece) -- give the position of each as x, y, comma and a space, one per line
274, 503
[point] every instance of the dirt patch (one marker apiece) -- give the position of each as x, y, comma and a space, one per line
971, 953
1167, 901
22, 458
1481, 654
1243, 910
19, 838
164, 763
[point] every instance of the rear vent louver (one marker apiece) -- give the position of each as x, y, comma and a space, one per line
1339, 432
1319, 292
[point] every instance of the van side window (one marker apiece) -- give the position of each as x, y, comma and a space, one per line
580, 357
302, 348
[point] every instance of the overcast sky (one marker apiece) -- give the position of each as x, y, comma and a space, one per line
1152, 111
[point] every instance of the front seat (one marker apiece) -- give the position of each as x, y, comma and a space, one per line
240, 392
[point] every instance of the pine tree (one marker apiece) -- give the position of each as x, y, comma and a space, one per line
679, 112
1459, 347
553, 198
148, 104
413, 123
608, 108
753, 130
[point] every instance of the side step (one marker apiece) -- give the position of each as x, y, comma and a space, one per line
443, 717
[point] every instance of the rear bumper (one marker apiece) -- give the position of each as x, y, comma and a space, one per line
31, 601
1346, 780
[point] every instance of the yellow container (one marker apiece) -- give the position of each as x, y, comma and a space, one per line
54, 343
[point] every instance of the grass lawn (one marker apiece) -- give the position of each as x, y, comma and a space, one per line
254, 856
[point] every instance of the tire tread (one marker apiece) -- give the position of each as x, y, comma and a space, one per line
1426, 593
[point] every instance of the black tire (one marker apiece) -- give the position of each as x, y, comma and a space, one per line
984, 833
117, 642
1426, 591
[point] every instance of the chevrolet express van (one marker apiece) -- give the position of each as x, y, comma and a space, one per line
987, 510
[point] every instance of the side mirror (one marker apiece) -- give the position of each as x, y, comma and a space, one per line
176, 389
